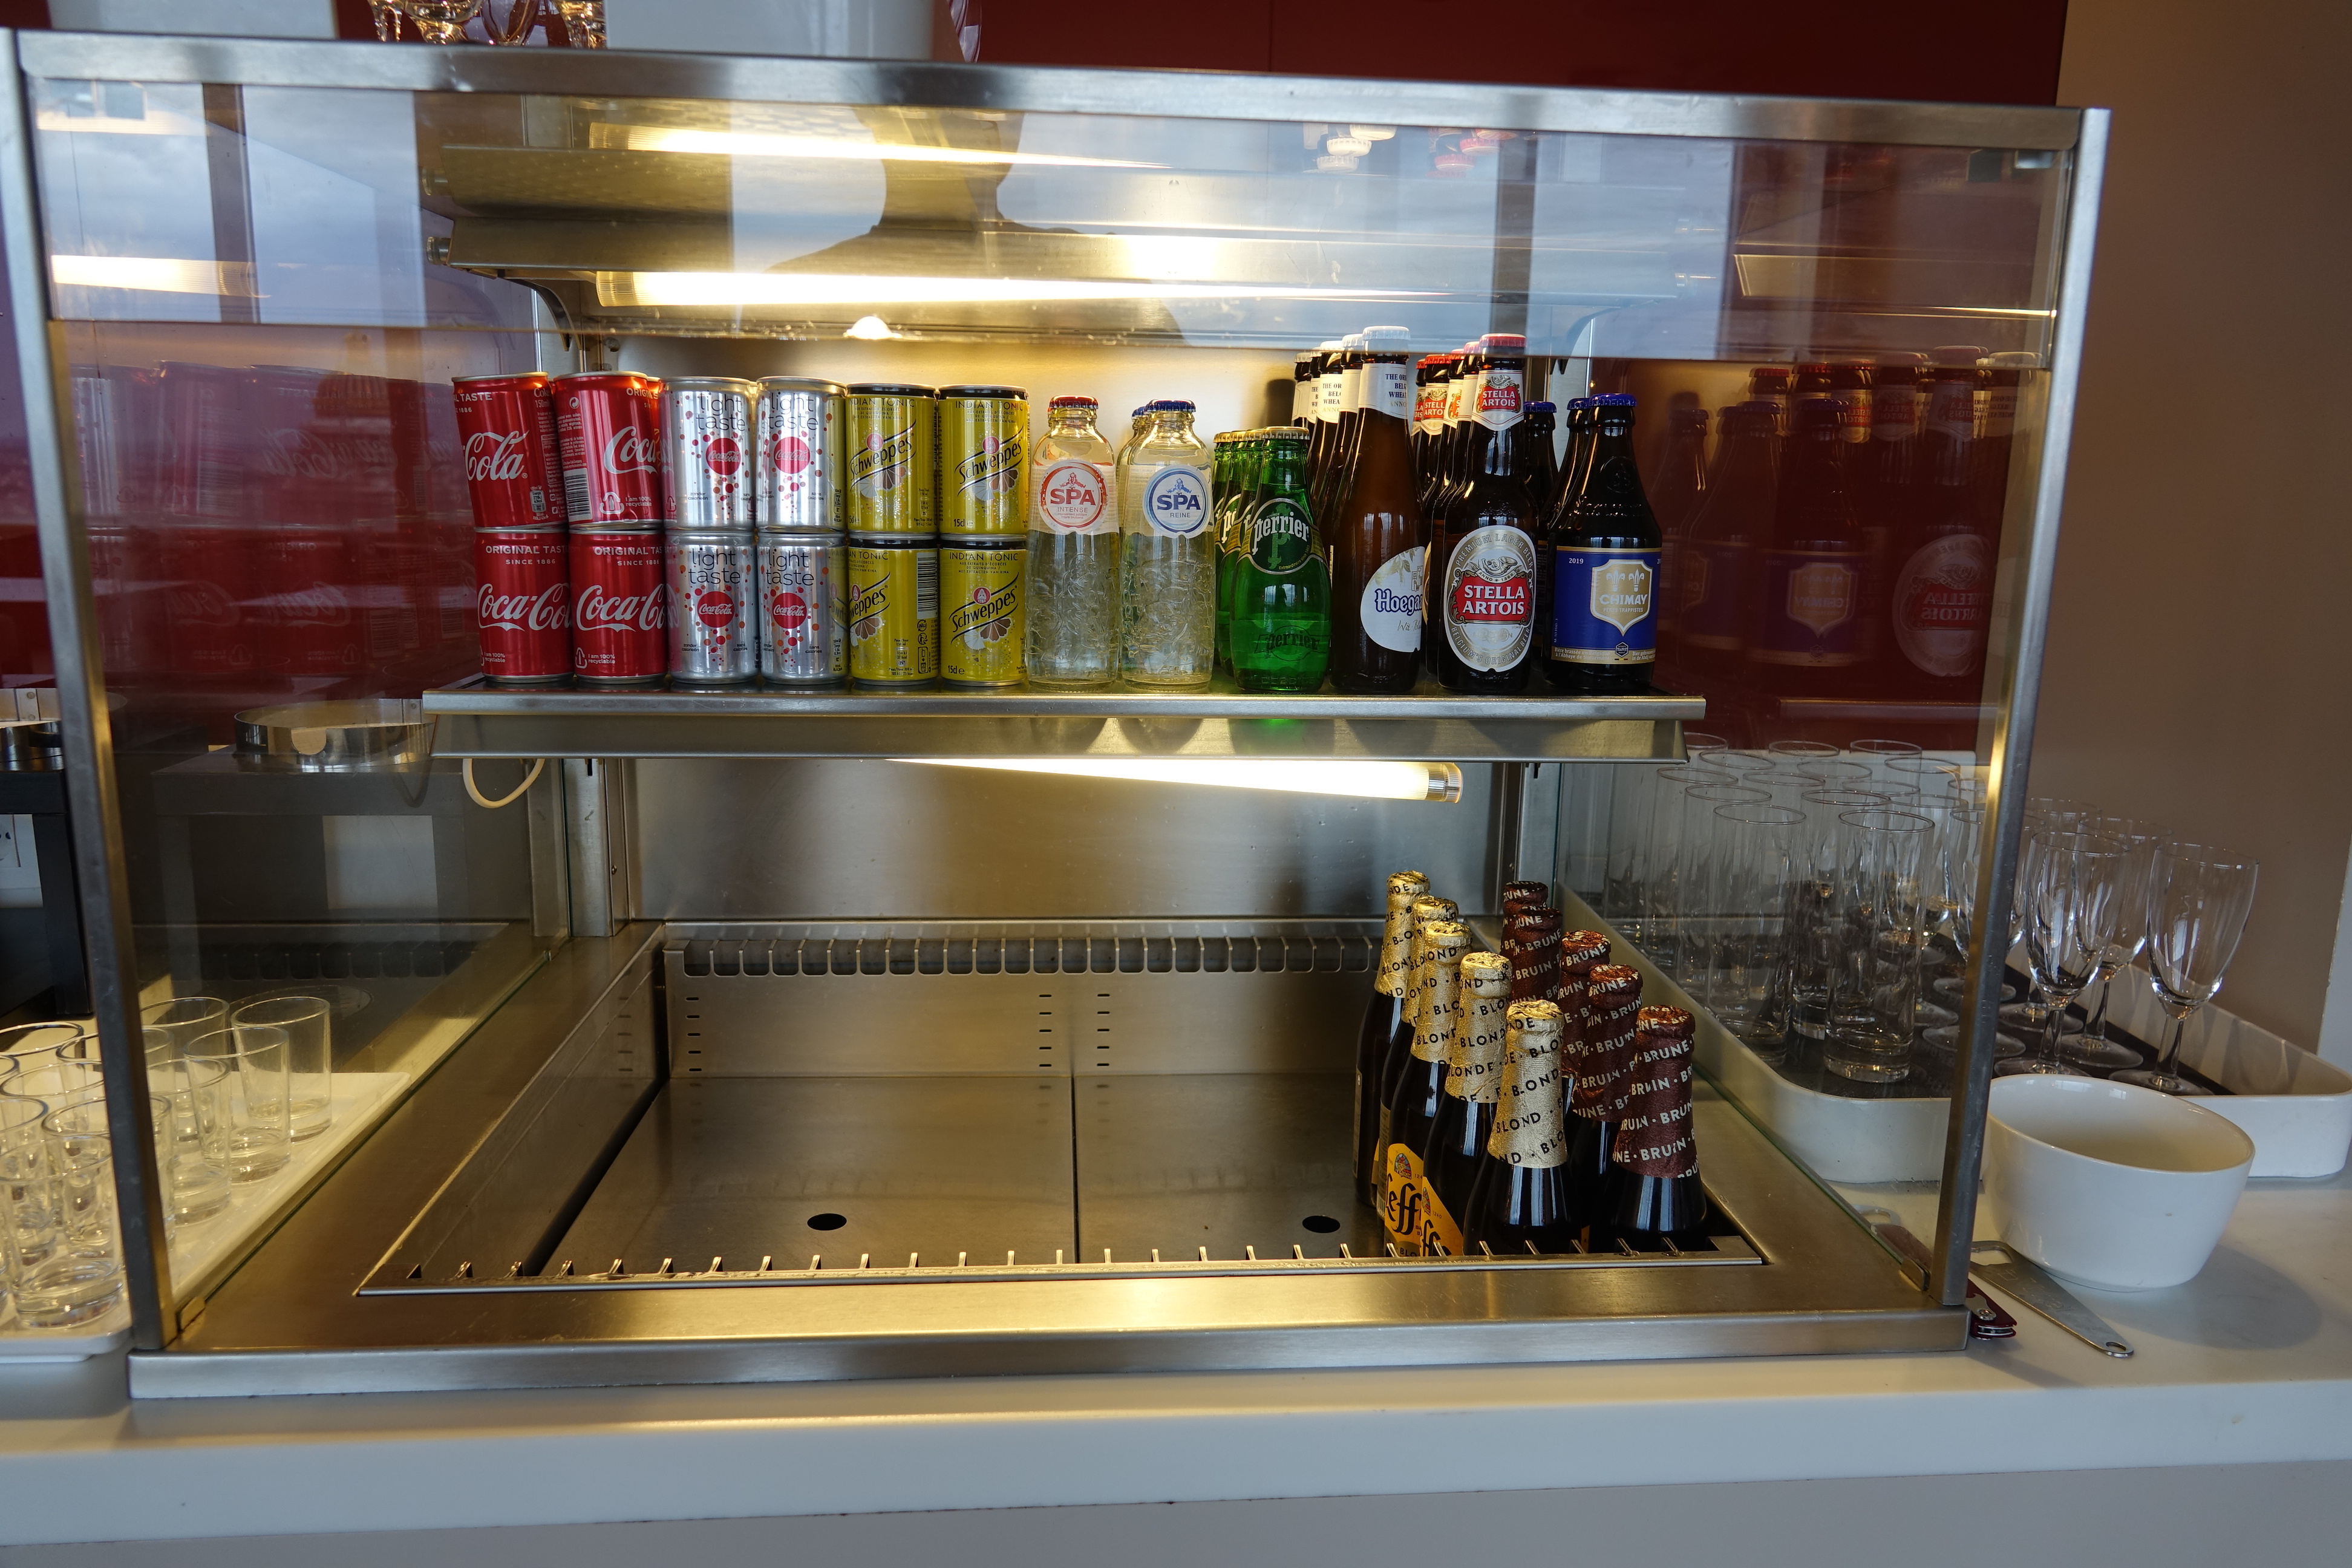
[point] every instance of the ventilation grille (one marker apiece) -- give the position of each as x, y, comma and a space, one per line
1018, 954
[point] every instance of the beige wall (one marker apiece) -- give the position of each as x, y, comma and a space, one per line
2200, 643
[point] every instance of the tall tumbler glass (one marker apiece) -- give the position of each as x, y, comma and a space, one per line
1875, 977
253, 1059
1750, 994
1661, 898
192, 1145
310, 1055
1812, 936
1700, 845
46, 1040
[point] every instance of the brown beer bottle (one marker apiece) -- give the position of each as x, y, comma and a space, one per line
1404, 1209
1473, 1083
1426, 913
1812, 632
1483, 563
1520, 1201
1379, 544
1380, 1018
1653, 1190
1614, 993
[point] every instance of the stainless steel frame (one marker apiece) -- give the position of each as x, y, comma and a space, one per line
1825, 1285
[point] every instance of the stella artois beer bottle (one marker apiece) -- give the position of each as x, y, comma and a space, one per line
1481, 589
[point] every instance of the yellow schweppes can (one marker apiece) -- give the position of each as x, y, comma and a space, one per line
890, 436
894, 614
984, 461
983, 621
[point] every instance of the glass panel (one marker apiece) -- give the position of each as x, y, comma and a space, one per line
265, 294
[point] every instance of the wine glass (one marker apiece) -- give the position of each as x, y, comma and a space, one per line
386, 15
2070, 888
584, 22
2142, 841
442, 21
2198, 900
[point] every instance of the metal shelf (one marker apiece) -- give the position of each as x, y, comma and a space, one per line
1430, 723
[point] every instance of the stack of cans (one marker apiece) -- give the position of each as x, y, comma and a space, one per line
523, 589
608, 429
801, 575
891, 439
710, 486
983, 485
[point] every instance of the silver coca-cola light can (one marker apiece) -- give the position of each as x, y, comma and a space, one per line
619, 636
802, 641
712, 582
523, 586
707, 471
799, 430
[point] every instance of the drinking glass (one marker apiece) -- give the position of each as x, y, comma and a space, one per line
2198, 900
252, 1059
441, 21
185, 1018
385, 15
1659, 894
192, 1139
1874, 976
1798, 752
1838, 772
28, 1040
310, 1055
1811, 934
1750, 994
1698, 740
52, 1073
1879, 753
2071, 888
1930, 776
1699, 846
56, 1196
2141, 842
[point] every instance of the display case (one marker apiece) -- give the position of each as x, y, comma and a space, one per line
764, 1032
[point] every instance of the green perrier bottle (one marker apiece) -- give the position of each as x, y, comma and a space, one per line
1282, 585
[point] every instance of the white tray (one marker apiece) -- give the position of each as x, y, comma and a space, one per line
2296, 1107
198, 1252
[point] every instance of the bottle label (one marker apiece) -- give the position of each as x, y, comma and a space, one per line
1711, 576
1175, 498
1390, 610
1813, 609
1429, 409
1941, 603
1530, 1128
1499, 398
1490, 615
1074, 497
1327, 395
1461, 396
1894, 414
1406, 1206
1281, 536
1388, 389
1351, 388
1302, 401
1605, 608
1474, 1066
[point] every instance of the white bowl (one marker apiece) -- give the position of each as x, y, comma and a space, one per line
2109, 1184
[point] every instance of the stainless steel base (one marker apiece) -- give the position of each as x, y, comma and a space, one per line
975, 1206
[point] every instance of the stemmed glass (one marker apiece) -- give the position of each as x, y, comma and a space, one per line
442, 21
584, 22
2198, 900
2071, 888
2142, 841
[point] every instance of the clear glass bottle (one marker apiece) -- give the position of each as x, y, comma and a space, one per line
1168, 555
1073, 637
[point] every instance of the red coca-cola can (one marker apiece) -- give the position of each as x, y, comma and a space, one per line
522, 589
507, 425
309, 603
619, 635
608, 433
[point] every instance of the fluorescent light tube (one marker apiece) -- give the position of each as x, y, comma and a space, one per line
1363, 780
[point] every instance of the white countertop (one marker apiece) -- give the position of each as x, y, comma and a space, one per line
2249, 1363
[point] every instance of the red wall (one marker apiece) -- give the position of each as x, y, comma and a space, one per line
1992, 51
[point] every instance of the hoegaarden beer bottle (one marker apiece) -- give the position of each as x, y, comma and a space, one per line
1282, 587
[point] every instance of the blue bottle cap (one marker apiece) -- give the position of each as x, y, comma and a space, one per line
1540, 408
1613, 400
1184, 406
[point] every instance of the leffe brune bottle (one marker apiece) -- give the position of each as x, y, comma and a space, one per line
1073, 637
1282, 585
1168, 556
